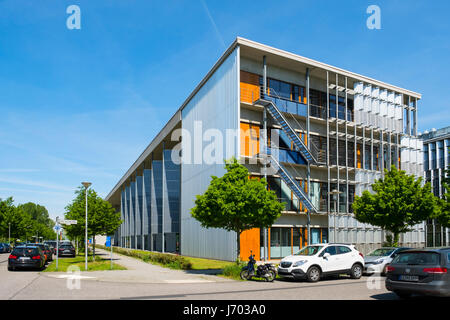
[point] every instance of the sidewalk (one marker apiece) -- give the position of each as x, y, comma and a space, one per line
139, 271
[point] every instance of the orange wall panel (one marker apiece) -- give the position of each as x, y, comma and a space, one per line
250, 242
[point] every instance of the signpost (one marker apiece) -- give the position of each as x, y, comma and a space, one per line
57, 229
109, 244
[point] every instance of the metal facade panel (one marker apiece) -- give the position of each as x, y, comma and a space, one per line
138, 205
146, 199
171, 199
156, 199
216, 106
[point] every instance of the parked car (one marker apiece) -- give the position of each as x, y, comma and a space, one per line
420, 271
26, 257
52, 244
5, 247
46, 250
377, 260
315, 261
66, 250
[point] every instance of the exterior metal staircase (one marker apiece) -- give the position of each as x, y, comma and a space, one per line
299, 192
267, 102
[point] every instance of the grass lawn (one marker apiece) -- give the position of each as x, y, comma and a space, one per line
203, 264
98, 265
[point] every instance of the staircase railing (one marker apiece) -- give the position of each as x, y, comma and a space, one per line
313, 149
300, 193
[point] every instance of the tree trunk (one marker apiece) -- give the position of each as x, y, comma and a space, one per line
395, 239
238, 258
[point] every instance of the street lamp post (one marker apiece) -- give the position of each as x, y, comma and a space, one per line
335, 193
9, 233
86, 186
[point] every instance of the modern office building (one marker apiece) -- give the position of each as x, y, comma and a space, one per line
319, 134
436, 153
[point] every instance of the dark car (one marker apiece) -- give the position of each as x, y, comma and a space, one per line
66, 250
46, 250
51, 244
26, 257
420, 271
5, 247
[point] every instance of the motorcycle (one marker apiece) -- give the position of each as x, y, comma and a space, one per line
266, 271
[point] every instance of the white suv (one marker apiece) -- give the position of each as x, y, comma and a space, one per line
314, 261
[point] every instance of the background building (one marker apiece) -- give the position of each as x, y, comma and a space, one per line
436, 153
320, 128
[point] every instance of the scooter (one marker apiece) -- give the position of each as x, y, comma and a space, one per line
266, 271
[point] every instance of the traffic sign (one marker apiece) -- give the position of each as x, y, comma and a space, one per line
57, 227
68, 221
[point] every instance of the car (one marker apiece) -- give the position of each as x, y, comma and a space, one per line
66, 250
318, 260
26, 257
5, 247
46, 250
376, 261
419, 271
51, 244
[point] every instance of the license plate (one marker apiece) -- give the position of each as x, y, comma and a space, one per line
66, 251
282, 270
24, 258
408, 278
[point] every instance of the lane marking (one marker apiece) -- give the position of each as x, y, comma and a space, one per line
187, 281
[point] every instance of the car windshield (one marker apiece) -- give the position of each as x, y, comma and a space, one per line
308, 251
417, 258
66, 246
381, 252
25, 252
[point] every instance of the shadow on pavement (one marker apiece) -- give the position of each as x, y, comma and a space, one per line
204, 271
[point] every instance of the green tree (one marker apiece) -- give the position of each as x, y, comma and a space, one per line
42, 225
102, 217
14, 219
236, 203
399, 202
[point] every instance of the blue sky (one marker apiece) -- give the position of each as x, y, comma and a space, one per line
83, 104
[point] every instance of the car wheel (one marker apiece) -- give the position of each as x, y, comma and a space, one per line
356, 271
313, 274
402, 294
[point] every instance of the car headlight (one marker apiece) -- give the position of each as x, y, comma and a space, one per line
378, 261
299, 263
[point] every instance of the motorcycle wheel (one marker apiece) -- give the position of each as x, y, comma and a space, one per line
244, 275
271, 276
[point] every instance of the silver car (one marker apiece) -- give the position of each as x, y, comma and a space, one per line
376, 261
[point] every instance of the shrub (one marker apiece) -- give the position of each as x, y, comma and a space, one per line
233, 271
165, 259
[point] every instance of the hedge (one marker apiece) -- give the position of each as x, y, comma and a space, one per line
167, 260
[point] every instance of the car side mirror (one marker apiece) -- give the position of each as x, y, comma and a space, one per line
326, 255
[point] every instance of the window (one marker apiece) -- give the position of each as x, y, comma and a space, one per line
433, 155
441, 154
343, 249
417, 258
331, 250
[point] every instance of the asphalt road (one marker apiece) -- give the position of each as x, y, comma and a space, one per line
33, 285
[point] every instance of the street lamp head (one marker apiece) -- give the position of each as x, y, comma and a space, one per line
86, 184
335, 193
